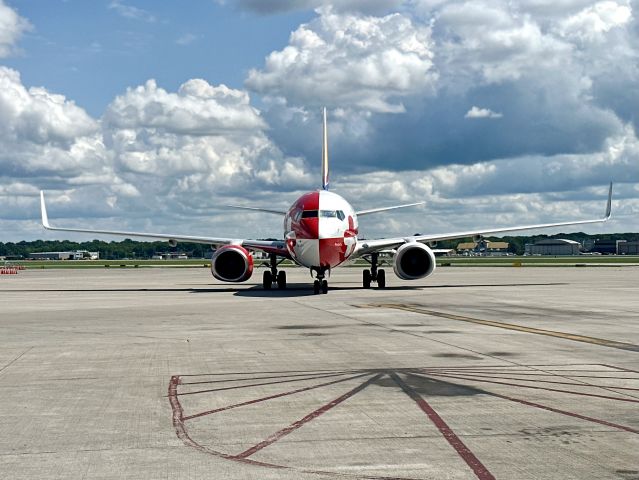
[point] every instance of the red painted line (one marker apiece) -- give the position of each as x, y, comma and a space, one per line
182, 433
308, 372
270, 397
565, 412
237, 387
311, 416
536, 380
180, 429
226, 380
462, 450
607, 397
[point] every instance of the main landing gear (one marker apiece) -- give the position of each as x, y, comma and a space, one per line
320, 284
272, 275
374, 274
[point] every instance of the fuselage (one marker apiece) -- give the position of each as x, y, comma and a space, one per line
320, 230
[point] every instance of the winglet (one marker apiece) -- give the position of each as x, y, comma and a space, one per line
43, 208
609, 204
325, 154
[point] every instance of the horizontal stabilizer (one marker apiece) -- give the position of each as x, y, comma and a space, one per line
376, 210
258, 209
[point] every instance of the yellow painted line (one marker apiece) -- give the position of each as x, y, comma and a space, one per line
508, 326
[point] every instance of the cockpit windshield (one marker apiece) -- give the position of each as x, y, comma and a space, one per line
324, 214
328, 213
332, 214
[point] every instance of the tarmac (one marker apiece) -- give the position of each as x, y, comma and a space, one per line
508, 373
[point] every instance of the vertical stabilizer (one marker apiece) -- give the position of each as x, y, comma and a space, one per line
325, 156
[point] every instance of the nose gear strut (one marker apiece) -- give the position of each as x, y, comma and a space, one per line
320, 284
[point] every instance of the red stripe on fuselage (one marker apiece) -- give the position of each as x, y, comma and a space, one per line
332, 251
306, 228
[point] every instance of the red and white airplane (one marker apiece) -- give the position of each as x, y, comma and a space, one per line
320, 233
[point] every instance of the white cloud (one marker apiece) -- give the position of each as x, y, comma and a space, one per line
186, 39
131, 12
350, 60
276, 6
563, 73
12, 27
593, 22
476, 112
198, 108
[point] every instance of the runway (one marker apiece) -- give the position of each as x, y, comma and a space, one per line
477, 372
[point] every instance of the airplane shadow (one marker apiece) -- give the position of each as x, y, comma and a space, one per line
292, 290
306, 289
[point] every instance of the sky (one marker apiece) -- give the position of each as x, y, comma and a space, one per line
154, 115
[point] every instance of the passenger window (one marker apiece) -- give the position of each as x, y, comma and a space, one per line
309, 214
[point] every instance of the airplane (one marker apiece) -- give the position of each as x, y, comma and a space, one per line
321, 233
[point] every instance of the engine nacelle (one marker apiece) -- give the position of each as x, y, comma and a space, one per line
413, 261
232, 263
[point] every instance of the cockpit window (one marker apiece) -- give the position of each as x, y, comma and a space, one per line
324, 214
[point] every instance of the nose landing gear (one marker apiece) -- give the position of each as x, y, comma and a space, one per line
320, 284
272, 275
374, 274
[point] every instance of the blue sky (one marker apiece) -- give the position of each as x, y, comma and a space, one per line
91, 51
153, 115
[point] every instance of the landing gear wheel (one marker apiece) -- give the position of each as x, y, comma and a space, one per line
366, 278
381, 278
324, 286
281, 279
267, 280
316, 287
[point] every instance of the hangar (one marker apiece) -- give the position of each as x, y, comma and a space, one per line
553, 246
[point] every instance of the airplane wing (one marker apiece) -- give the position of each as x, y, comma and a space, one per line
257, 209
278, 246
368, 246
359, 213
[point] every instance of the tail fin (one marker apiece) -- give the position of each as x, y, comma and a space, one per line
325, 156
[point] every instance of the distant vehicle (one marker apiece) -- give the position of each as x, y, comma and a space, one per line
320, 233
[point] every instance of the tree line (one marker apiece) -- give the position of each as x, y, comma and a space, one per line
143, 250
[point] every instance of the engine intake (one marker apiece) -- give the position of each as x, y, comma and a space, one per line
413, 261
232, 263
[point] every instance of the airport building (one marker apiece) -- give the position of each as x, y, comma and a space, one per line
553, 246
483, 248
608, 247
75, 255
627, 248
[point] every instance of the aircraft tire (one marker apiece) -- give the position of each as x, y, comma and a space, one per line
366, 278
324, 286
381, 278
281, 279
267, 280
316, 287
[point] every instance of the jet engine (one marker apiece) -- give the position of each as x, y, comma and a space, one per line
413, 260
232, 263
